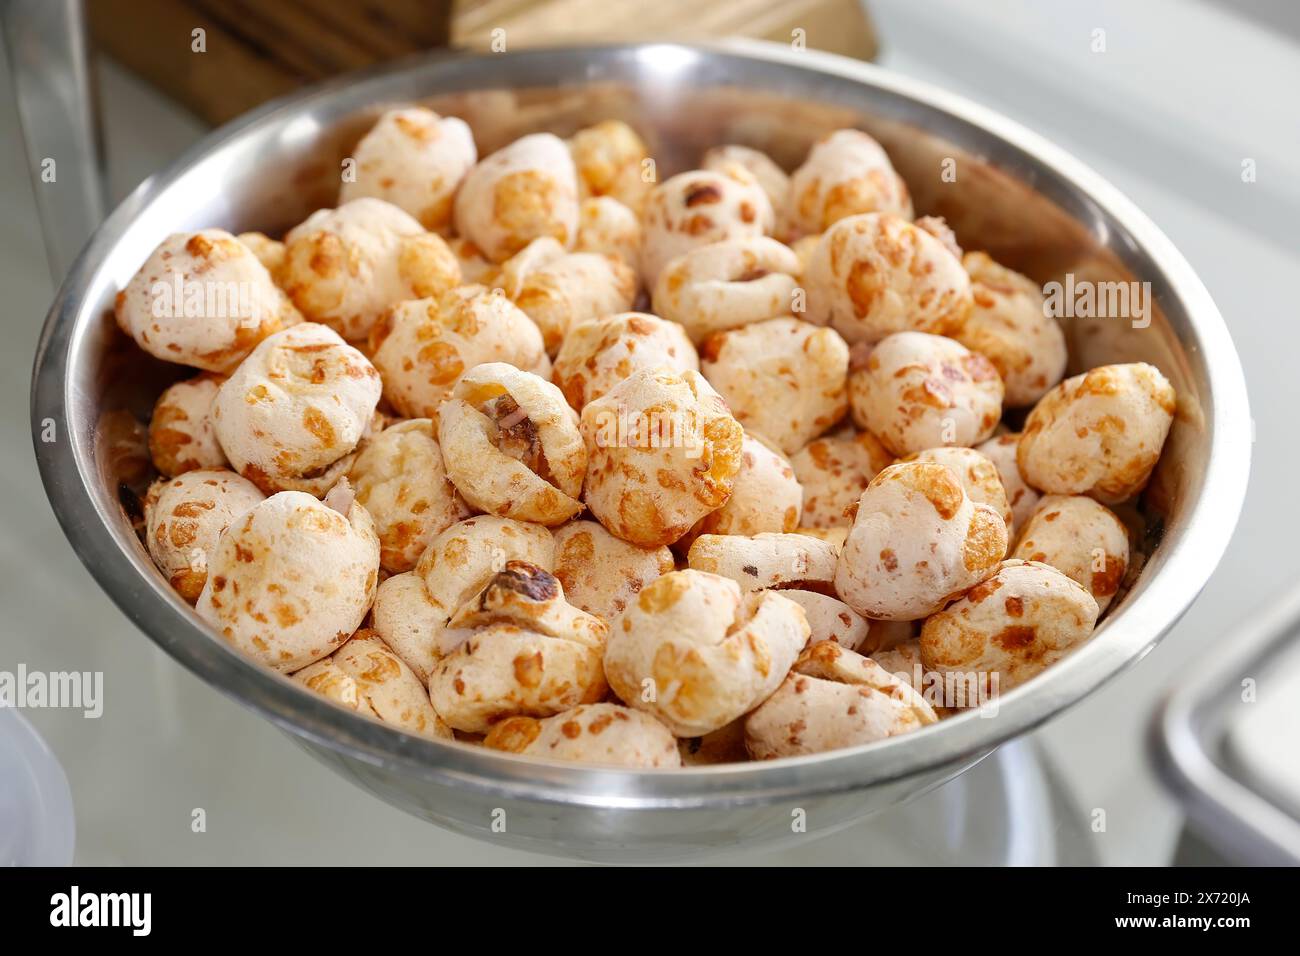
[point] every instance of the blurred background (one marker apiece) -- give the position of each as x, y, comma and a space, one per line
1183, 92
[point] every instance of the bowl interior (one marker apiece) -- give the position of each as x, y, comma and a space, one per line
1028, 205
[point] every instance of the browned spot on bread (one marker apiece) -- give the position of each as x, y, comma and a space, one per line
600, 723
711, 347
513, 734
865, 285
285, 615
442, 362
702, 194
1015, 637
1100, 381
984, 589
529, 669
320, 428
528, 580
199, 246
986, 540
663, 593
189, 583
1106, 582
696, 683
936, 482
192, 509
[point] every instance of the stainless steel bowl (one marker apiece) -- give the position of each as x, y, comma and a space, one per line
1028, 203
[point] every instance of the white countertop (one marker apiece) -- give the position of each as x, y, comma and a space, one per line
1183, 93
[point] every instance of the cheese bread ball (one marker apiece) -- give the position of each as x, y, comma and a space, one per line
845, 173
917, 541
604, 734
696, 652
609, 159
830, 619
522, 192
423, 347
1001, 450
412, 609
185, 516
202, 299
833, 698
1010, 627
1007, 324
414, 159
783, 378
1099, 433
527, 652
269, 252
460, 562
607, 227
366, 676
764, 497
601, 573
558, 289
1081, 538
400, 477
833, 472
728, 284
873, 275
662, 452
290, 417
343, 267
977, 474
699, 207
774, 180
918, 391
181, 437
512, 446
767, 560
292, 579
598, 354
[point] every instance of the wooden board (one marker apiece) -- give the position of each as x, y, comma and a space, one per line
255, 50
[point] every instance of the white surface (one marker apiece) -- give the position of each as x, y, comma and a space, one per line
1181, 96
36, 824
1261, 741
